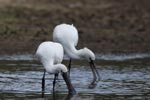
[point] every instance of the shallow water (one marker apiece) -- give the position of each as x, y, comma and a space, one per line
127, 79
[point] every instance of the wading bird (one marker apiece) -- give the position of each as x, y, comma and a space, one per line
67, 35
51, 55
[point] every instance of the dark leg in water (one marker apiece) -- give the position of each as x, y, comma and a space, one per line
54, 82
69, 66
43, 83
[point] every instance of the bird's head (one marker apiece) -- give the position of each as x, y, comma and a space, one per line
87, 54
60, 68
90, 56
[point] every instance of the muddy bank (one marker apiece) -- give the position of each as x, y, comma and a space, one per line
110, 26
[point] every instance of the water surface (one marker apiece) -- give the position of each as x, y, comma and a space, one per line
122, 77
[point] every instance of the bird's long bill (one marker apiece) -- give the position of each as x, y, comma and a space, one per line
92, 64
68, 83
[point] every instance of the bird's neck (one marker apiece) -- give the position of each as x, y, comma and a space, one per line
74, 53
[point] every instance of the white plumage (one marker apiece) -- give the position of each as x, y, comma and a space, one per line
51, 55
67, 35
66, 32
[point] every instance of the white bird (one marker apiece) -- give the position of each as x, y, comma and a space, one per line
67, 35
51, 55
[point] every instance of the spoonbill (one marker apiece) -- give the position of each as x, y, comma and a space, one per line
67, 36
50, 55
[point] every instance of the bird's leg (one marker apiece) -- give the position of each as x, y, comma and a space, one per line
54, 82
58, 81
43, 83
69, 66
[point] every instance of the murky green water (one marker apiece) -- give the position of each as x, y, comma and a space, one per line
127, 79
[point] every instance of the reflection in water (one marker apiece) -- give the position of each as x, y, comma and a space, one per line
54, 95
92, 85
68, 97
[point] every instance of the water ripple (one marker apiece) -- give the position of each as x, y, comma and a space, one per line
115, 80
